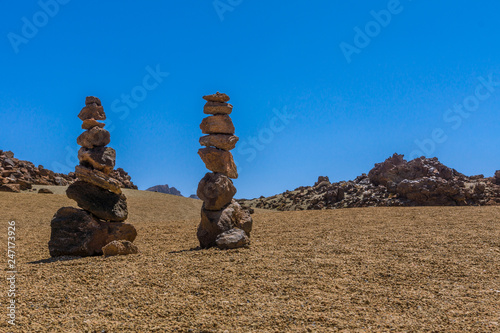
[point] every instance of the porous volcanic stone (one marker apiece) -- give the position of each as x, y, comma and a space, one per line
102, 203
94, 137
75, 232
216, 191
213, 223
217, 108
121, 247
217, 160
221, 141
217, 97
92, 99
92, 111
218, 124
89, 123
100, 158
98, 178
232, 239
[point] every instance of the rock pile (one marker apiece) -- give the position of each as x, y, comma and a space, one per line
223, 222
394, 182
84, 232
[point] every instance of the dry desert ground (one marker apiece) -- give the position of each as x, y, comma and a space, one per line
431, 269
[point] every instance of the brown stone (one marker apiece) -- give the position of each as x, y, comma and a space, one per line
218, 124
15, 188
221, 141
98, 178
232, 239
121, 247
99, 158
102, 203
89, 123
92, 111
75, 232
216, 191
92, 99
217, 160
214, 223
95, 137
45, 191
217, 97
217, 108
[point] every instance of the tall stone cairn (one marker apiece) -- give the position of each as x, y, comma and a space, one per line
223, 222
84, 232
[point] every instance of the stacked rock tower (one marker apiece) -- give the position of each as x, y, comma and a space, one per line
223, 222
84, 232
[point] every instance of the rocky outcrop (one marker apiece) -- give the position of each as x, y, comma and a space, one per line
223, 222
26, 174
165, 189
394, 182
85, 232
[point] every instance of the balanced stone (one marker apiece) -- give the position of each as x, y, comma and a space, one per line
217, 160
232, 239
92, 99
100, 158
75, 232
92, 111
214, 223
217, 108
216, 191
97, 178
218, 124
217, 97
102, 203
221, 141
95, 137
89, 123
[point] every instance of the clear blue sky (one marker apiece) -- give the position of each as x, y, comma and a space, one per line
271, 57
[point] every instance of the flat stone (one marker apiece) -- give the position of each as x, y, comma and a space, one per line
217, 97
232, 239
92, 99
216, 191
102, 203
214, 223
99, 158
220, 161
45, 191
89, 123
75, 232
119, 248
217, 108
94, 137
221, 141
218, 124
98, 178
92, 111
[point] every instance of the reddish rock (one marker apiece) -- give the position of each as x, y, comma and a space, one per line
92, 99
217, 108
119, 248
75, 232
221, 141
220, 161
89, 123
95, 137
99, 158
217, 97
45, 191
92, 111
218, 124
98, 178
216, 191
14, 188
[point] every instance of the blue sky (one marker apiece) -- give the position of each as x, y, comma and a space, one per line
423, 79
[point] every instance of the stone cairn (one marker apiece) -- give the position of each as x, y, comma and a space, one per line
223, 222
84, 232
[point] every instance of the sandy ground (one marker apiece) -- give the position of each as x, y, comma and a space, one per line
353, 270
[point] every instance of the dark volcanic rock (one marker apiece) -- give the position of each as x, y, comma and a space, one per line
214, 223
104, 204
232, 239
216, 191
75, 232
100, 158
165, 189
94, 137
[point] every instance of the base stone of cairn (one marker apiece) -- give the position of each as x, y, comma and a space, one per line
223, 222
85, 232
